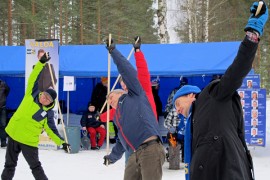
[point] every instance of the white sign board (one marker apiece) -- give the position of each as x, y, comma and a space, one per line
69, 83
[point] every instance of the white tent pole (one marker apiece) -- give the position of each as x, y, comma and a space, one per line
67, 108
108, 92
59, 109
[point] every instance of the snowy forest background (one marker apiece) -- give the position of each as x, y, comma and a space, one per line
84, 22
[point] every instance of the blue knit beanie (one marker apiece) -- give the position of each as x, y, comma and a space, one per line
184, 90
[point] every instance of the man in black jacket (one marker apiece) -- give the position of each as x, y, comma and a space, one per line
4, 91
99, 94
215, 116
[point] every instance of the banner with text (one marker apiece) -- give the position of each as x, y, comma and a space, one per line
48, 77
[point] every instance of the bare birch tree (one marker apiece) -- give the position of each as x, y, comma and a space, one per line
195, 20
190, 37
205, 21
162, 22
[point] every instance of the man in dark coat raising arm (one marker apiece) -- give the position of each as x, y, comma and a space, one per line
216, 148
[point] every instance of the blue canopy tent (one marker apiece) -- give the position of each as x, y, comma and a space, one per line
12, 60
163, 59
198, 61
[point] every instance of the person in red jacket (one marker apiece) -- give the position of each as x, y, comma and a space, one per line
144, 74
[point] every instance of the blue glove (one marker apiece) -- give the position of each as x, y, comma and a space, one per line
257, 23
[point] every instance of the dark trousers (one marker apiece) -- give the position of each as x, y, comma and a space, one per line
31, 156
181, 142
146, 163
3, 121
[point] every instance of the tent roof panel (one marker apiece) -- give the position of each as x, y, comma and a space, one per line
163, 59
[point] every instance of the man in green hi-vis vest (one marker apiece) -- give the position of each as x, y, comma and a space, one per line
33, 115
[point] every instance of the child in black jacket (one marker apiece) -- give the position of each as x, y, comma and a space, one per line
91, 123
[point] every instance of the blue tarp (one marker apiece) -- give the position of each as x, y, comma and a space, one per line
170, 61
12, 60
163, 59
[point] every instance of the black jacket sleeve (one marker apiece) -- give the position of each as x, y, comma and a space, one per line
236, 72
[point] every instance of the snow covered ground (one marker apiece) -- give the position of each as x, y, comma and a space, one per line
89, 164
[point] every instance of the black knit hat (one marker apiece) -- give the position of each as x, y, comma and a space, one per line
91, 104
183, 81
51, 93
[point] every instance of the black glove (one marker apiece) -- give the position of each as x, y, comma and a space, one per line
45, 58
107, 160
257, 23
137, 43
66, 147
111, 46
97, 116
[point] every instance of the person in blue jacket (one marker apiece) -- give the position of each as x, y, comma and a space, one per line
215, 145
138, 129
